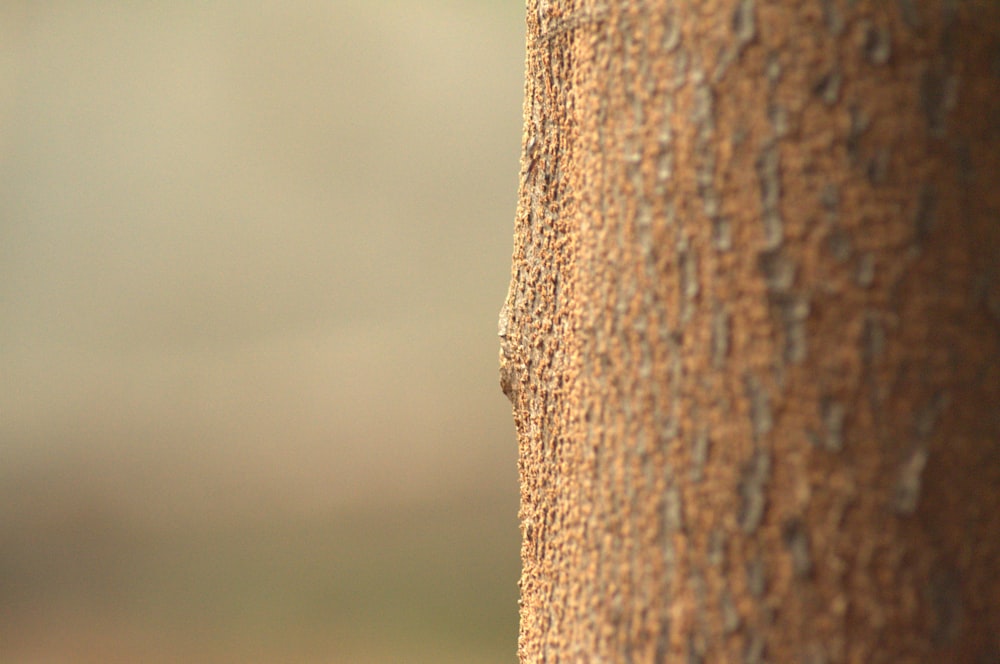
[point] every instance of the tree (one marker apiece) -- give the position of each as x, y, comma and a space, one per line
752, 338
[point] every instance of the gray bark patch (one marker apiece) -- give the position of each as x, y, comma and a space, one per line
796, 539
877, 43
761, 420
907, 491
753, 491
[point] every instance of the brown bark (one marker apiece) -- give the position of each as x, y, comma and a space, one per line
753, 331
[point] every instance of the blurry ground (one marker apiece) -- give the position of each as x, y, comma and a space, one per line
251, 256
425, 584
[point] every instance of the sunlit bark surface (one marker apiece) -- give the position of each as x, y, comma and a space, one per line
753, 331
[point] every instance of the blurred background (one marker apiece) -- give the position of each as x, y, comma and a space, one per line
251, 258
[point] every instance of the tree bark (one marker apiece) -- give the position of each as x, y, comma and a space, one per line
753, 331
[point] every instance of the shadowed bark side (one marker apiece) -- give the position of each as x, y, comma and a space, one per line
752, 338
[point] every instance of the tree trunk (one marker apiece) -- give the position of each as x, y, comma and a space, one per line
753, 331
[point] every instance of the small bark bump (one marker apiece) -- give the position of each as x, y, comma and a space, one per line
778, 270
872, 338
509, 375
752, 489
829, 198
756, 648
720, 336
877, 43
877, 170
730, 616
778, 115
772, 70
673, 514
768, 172
794, 312
832, 18
710, 198
926, 418
833, 413
815, 654
671, 33
859, 124
838, 243
756, 581
696, 649
827, 88
938, 89
944, 595
911, 14
688, 261
744, 25
717, 549
722, 234
864, 276
760, 407
699, 454
908, 482
796, 539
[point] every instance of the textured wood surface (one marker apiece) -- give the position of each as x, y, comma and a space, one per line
753, 331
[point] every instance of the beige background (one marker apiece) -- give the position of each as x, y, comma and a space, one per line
251, 257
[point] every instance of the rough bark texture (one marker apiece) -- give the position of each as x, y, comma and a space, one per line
753, 331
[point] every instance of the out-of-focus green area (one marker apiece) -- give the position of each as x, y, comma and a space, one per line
427, 583
251, 257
